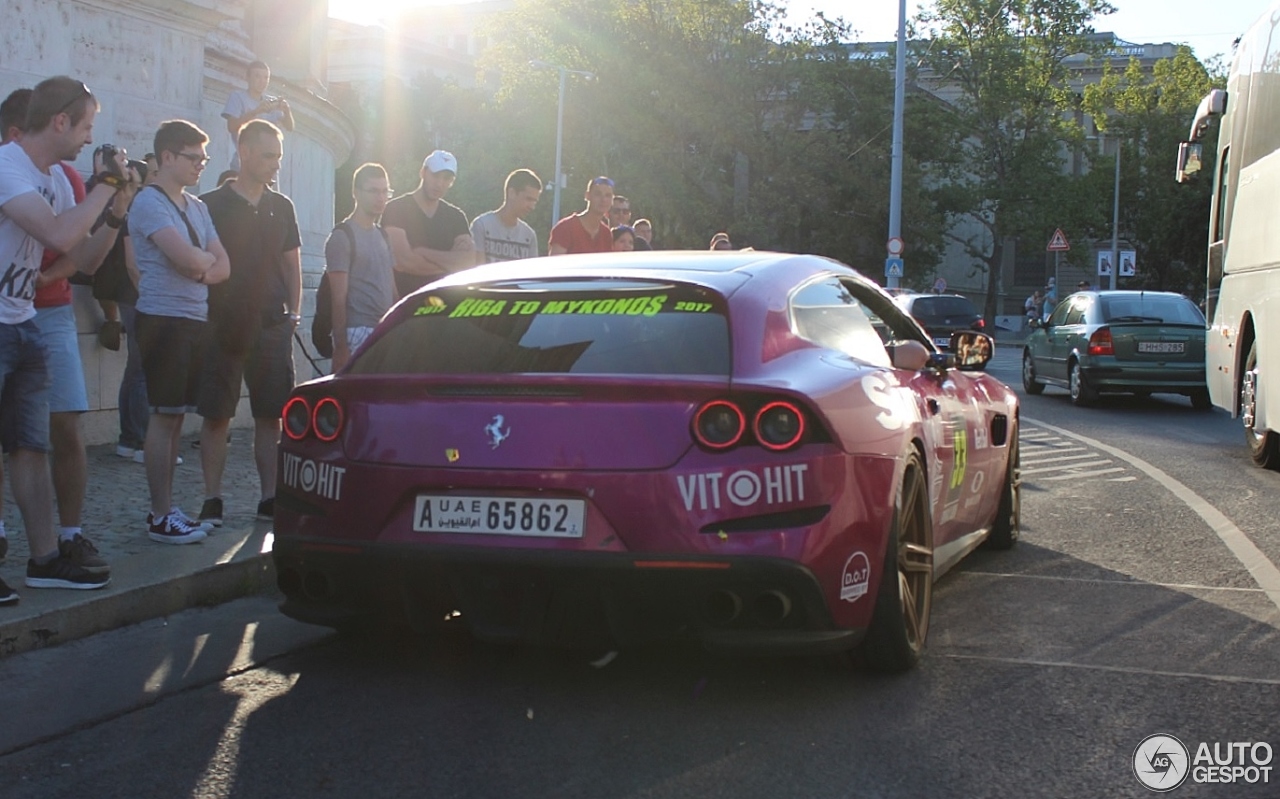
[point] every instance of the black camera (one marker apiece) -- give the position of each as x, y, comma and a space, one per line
109, 162
140, 167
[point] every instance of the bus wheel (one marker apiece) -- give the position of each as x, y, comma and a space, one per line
1264, 445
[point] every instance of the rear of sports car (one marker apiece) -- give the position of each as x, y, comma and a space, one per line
571, 462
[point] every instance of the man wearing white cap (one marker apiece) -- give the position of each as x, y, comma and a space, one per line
429, 237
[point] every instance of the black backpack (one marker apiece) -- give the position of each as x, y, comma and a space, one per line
322, 322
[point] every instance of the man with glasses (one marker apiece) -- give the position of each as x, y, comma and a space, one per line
503, 235
359, 265
38, 212
587, 230
429, 236
179, 256
252, 315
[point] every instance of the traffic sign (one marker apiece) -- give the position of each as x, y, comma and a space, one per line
1058, 242
894, 246
893, 267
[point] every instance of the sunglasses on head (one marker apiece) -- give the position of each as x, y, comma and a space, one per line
83, 93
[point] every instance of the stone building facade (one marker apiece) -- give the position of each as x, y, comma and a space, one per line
152, 60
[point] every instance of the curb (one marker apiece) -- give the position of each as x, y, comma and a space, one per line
148, 585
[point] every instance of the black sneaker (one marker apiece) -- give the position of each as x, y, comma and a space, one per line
267, 509
211, 512
172, 528
8, 596
62, 572
84, 554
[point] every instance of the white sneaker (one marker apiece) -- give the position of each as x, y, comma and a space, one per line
127, 452
173, 529
140, 457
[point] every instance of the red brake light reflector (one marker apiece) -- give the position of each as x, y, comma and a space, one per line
779, 426
719, 424
327, 419
1100, 342
297, 418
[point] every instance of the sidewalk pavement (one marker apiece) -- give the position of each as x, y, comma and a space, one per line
148, 580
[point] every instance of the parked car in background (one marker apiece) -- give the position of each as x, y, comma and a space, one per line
941, 315
757, 451
1132, 342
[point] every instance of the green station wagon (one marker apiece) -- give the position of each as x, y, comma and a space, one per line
1112, 342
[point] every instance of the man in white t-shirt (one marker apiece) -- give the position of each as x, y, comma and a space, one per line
246, 105
38, 211
503, 235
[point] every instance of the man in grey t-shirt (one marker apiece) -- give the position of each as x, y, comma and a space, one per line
503, 235
178, 253
360, 265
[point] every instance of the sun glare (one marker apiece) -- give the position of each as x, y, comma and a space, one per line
367, 12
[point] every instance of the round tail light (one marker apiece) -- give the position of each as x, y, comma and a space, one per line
327, 419
297, 418
719, 424
779, 426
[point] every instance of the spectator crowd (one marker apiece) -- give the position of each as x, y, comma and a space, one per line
206, 294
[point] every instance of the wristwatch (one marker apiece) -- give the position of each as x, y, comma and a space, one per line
116, 222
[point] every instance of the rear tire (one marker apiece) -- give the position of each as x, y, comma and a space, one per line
1006, 527
900, 622
1081, 394
1029, 382
1264, 445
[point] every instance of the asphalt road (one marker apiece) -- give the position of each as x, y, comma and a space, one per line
1131, 607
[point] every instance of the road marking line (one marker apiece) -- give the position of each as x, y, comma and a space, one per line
1099, 581
1263, 571
1128, 479
1025, 472
1038, 461
1095, 473
1058, 664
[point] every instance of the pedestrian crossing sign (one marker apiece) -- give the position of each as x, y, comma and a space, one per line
893, 267
1058, 242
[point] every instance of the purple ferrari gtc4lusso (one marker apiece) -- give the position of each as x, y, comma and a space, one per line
758, 451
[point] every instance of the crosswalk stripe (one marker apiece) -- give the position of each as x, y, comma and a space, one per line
1063, 467
1038, 461
1078, 475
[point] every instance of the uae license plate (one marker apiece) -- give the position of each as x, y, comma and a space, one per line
543, 518
1162, 347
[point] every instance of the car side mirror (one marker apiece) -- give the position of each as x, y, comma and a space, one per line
973, 350
1190, 160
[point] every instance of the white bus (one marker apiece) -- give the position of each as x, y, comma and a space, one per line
1242, 302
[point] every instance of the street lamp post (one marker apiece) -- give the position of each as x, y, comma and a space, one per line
565, 72
895, 164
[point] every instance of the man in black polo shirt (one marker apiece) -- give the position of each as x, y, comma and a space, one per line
252, 315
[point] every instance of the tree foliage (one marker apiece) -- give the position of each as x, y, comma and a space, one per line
1149, 113
1001, 64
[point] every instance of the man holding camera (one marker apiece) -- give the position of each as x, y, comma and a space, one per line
254, 103
252, 316
38, 212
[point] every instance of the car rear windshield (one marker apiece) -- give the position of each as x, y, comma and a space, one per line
1148, 308
942, 306
587, 327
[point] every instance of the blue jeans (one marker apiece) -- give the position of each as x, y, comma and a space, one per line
24, 388
133, 386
